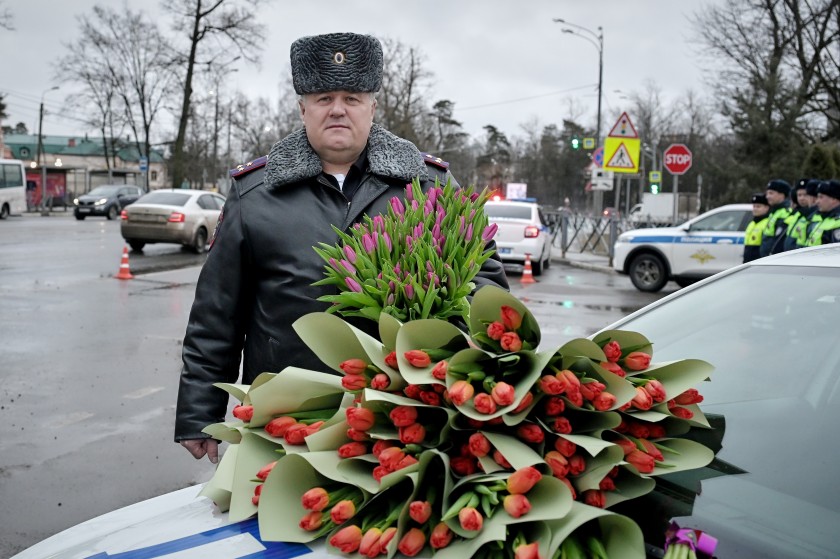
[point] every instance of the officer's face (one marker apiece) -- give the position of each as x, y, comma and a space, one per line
774, 197
826, 203
338, 123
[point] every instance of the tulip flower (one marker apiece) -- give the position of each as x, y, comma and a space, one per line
245, 413
495, 330
527, 551
352, 284
516, 505
564, 447
387, 535
569, 379
522, 480
397, 206
479, 445
503, 394
277, 426
316, 499
348, 539
656, 390
606, 484
420, 511
577, 464
353, 366
511, 318
342, 511
380, 381
296, 433
489, 232
604, 401
381, 445
639, 430
530, 433
499, 459
483, 403
263, 473
637, 361
526, 401
642, 461
554, 405
652, 449
470, 519
407, 460
441, 536
418, 358
551, 385
255, 500
642, 400
571, 487
312, 521
510, 341
614, 368
361, 419
626, 446
430, 397
461, 392
613, 351
350, 450
390, 457
656, 431
558, 463
369, 546
391, 360
562, 425
412, 434
403, 416
439, 370
595, 498
463, 465
591, 389
682, 413
412, 542
690, 396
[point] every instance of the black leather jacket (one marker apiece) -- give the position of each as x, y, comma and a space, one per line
257, 279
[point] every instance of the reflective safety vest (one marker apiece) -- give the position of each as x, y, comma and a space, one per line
772, 240
827, 230
797, 232
752, 236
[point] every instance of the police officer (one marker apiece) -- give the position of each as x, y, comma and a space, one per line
772, 238
827, 228
755, 228
806, 196
259, 274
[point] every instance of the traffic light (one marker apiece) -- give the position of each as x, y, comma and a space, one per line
575, 142
654, 188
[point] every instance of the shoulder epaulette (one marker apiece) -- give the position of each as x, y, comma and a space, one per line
246, 168
436, 161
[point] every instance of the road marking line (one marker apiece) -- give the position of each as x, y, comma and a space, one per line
72, 418
143, 392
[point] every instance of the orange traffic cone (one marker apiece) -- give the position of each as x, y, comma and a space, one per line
124, 273
527, 273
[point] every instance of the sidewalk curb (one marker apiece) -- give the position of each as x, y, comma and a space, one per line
584, 265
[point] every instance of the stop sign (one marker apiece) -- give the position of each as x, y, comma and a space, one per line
677, 159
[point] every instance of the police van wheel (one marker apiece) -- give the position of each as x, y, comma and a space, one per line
647, 272
4, 211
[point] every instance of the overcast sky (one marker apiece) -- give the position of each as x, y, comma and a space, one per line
501, 62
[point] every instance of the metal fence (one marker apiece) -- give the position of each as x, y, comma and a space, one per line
581, 233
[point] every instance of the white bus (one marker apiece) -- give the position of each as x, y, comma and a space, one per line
12, 187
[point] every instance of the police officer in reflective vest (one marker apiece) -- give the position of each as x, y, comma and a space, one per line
752, 238
827, 228
772, 238
806, 198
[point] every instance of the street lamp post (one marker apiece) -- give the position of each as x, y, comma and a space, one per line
43, 203
598, 44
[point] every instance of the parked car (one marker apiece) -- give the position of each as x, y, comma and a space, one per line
522, 229
187, 217
699, 248
610, 213
769, 328
774, 400
107, 200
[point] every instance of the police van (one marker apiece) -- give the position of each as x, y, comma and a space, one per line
701, 247
12, 187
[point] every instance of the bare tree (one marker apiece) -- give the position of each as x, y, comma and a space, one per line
217, 31
7, 21
402, 103
123, 64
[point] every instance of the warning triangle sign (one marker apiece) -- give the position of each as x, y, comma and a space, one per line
621, 159
623, 128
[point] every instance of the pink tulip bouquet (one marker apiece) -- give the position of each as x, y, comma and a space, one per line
463, 439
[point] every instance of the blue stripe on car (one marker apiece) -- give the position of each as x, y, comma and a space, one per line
692, 240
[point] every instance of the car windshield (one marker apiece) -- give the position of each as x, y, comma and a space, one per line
105, 190
165, 198
505, 211
771, 333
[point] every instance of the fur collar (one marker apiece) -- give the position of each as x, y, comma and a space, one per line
292, 159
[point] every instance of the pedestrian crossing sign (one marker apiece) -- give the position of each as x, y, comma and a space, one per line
621, 154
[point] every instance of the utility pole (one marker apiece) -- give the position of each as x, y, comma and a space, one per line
43, 201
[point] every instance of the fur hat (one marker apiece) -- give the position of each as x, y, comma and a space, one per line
830, 188
760, 198
337, 62
801, 184
811, 187
780, 186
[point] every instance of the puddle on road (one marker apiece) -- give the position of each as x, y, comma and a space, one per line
624, 309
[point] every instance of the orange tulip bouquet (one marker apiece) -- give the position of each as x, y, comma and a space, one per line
453, 431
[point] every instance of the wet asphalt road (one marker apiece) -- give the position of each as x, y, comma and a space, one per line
89, 366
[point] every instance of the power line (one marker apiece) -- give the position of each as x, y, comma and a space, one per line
509, 101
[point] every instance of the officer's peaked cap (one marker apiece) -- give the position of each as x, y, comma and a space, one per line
337, 62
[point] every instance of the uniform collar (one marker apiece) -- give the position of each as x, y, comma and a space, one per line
292, 159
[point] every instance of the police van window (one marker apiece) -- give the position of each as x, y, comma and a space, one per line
508, 211
721, 221
10, 175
